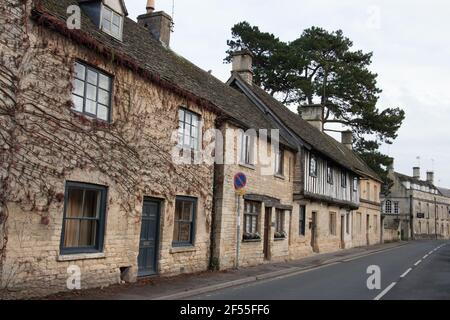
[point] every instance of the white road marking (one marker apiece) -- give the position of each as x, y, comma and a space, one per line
406, 272
418, 262
425, 256
381, 295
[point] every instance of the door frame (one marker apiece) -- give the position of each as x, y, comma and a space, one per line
267, 232
343, 226
157, 235
367, 229
314, 231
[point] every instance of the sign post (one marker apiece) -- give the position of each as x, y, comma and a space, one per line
240, 181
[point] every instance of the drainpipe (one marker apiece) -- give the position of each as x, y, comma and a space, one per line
411, 216
435, 218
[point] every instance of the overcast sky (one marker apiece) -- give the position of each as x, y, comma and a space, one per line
409, 40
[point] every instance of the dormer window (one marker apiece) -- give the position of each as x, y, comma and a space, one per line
112, 22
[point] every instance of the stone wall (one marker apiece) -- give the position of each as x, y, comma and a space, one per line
53, 145
251, 253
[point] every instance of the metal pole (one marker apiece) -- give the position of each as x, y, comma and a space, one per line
238, 229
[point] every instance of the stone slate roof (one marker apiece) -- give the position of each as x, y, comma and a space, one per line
319, 141
148, 53
403, 177
445, 192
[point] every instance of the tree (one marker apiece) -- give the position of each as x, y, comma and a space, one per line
321, 67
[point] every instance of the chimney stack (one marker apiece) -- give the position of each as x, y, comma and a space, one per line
390, 167
347, 139
430, 177
158, 23
242, 62
314, 115
416, 173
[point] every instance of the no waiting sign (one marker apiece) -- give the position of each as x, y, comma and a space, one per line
240, 181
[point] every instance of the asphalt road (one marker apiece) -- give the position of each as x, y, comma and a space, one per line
402, 277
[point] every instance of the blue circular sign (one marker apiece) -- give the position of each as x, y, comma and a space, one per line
240, 181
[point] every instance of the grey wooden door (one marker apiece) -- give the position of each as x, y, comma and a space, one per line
149, 240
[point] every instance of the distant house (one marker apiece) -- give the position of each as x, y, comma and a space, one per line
415, 208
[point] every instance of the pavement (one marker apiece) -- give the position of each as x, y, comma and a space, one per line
419, 270
313, 277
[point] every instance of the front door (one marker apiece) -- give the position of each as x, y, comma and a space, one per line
149, 241
267, 229
367, 229
314, 232
342, 232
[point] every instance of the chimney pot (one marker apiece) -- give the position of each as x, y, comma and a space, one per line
347, 139
242, 62
416, 173
158, 23
430, 177
150, 6
314, 115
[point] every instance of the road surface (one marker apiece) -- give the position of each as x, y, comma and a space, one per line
418, 270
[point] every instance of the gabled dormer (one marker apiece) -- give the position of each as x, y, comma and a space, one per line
108, 15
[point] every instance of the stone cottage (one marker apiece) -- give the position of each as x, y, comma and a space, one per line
415, 208
326, 174
94, 121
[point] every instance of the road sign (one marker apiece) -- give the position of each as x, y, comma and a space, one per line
240, 181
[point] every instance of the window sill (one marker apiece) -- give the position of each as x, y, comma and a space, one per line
251, 240
81, 256
249, 166
279, 239
183, 249
279, 176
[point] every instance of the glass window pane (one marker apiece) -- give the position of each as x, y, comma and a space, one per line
71, 231
91, 92
91, 206
115, 30
195, 120
195, 132
92, 77
80, 71
74, 203
102, 112
184, 232
88, 232
103, 97
181, 115
91, 107
77, 103
116, 19
104, 82
187, 211
188, 118
78, 87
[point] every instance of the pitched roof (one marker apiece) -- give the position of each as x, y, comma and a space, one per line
319, 141
404, 177
445, 192
143, 52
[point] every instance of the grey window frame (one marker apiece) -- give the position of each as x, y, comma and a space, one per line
247, 155
312, 159
97, 86
330, 179
279, 162
101, 220
191, 242
302, 220
279, 220
343, 179
252, 215
110, 32
355, 184
182, 124
386, 206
